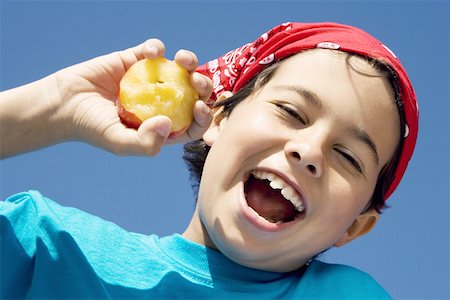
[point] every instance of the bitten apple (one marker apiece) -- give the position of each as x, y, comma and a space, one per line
156, 87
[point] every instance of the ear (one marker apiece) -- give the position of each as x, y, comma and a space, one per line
213, 131
362, 225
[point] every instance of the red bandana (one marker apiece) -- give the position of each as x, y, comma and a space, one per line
233, 70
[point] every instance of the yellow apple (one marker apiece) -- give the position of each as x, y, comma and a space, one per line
156, 87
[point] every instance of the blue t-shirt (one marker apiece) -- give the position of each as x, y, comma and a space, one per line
51, 251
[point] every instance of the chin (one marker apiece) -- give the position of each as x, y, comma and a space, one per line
248, 253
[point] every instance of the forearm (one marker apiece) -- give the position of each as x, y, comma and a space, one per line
28, 118
78, 103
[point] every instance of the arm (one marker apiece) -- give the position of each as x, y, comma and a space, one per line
78, 103
26, 120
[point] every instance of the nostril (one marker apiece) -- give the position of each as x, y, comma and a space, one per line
312, 169
296, 155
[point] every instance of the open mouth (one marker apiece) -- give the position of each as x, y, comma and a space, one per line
272, 197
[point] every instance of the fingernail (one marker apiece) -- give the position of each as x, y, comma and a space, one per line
163, 129
206, 110
190, 59
153, 50
203, 83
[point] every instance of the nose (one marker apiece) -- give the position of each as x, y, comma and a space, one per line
305, 155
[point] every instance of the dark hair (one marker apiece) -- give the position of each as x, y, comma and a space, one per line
387, 173
195, 152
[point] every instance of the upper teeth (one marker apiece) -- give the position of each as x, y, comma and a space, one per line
277, 183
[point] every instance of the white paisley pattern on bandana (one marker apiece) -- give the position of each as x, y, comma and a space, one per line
237, 67
225, 70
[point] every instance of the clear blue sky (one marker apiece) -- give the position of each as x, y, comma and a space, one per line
408, 251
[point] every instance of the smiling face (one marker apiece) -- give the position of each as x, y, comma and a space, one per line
293, 167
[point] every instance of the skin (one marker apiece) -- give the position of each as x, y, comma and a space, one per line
78, 103
308, 153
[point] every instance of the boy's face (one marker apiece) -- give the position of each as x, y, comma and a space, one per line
321, 130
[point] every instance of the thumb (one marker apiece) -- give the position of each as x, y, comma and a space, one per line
147, 140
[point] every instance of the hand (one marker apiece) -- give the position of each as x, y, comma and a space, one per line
87, 95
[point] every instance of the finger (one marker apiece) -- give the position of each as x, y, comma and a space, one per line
187, 60
153, 48
203, 117
153, 133
147, 140
202, 84
150, 49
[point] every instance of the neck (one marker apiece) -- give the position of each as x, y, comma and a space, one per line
197, 233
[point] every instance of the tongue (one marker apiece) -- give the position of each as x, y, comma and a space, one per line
267, 202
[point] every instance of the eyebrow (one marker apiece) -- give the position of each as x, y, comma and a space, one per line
308, 95
313, 99
366, 139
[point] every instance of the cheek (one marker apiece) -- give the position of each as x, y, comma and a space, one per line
332, 223
345, 201
256, 129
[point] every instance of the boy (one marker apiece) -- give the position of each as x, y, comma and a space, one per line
295, 161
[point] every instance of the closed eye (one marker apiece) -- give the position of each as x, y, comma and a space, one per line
291, 112
354, 163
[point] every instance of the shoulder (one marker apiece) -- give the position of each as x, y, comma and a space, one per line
342, 281
32, 220
21, 201
22, 214
32, 211
30, 205
46, 240
35, 224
